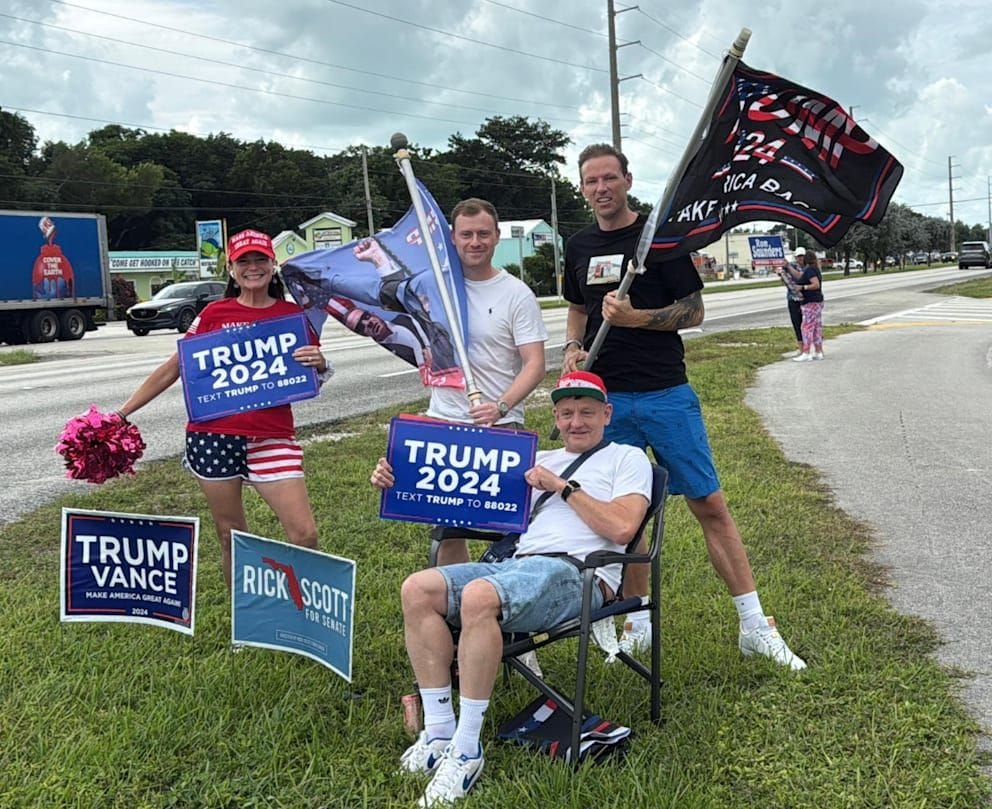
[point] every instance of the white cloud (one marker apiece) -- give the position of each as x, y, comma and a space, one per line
913, 71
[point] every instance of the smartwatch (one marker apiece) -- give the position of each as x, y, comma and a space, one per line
503, 408
570, 487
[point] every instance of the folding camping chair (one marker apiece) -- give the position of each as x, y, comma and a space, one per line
581, 627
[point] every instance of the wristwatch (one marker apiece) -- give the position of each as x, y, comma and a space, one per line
503, 408
570, 487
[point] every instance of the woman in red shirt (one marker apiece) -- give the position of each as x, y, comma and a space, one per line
257, 446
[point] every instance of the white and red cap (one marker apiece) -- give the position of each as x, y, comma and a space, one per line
249, 241
579, 383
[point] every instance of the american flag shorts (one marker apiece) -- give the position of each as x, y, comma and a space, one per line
215, 456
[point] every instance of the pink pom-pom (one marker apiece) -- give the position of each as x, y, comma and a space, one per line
99, 446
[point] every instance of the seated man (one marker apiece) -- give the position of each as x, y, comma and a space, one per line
600, 508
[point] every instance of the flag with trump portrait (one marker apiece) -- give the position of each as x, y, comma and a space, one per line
383, 287
774, 150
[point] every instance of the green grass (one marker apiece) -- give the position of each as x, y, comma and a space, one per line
18, 356
975, 288
103, 715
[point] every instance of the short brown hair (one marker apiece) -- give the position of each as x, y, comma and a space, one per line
810, 260
472, 207
603, 150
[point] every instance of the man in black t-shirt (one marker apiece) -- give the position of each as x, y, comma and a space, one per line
642, 364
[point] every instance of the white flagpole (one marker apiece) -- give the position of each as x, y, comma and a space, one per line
636, 267
399, 142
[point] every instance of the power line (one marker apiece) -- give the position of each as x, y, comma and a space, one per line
548, 19
172, 52
453, 35
299, 58
670, 92
676, 64
679, 35
229, 85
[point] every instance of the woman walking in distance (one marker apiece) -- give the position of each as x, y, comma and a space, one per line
257, 446
811, 286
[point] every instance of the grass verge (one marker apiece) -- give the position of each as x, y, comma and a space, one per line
975, 288
110, 715
19, 356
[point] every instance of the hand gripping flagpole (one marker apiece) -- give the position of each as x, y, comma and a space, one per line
636, 266
399, 142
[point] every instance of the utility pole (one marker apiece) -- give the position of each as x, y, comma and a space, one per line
554, 236
611, 14
368, 196
950, 195
990, 208
614, 76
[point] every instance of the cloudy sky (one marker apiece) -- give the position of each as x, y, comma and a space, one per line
324, 74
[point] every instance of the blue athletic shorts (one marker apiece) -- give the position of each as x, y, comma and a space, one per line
669, 421
536, 592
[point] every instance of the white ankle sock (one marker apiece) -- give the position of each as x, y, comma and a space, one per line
439, 712
639, 621
471, 713
749, 610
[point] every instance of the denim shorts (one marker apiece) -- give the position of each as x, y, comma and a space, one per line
536, 592
669, 421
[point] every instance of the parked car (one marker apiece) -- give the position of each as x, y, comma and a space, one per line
948, 256
921, 258
974, 254
173, 307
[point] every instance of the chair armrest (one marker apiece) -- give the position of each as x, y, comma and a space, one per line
603, 558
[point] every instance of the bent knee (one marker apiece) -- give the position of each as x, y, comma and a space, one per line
424, 586
480, 600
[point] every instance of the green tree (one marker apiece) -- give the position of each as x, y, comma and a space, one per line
539, 270
18, 158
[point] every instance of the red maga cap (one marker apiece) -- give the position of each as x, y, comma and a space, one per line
249, 241
579, 383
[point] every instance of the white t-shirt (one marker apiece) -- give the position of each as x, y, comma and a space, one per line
612, 472
502, 315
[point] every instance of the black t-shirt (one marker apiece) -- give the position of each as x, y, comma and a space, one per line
811, 295
631, 360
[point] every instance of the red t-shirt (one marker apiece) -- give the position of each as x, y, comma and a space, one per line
272, 422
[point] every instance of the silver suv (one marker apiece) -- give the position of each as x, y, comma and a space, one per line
974, 254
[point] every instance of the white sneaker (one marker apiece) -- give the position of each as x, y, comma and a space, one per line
635, 637
529, 659
423, 755
765, 640
817, 355
455, 776
804, 357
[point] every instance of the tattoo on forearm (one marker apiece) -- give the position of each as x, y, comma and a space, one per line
682, 314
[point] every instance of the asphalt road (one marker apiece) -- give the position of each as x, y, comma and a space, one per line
896, 419
105, 366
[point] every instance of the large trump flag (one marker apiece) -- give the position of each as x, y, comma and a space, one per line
383, 287
774, 150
